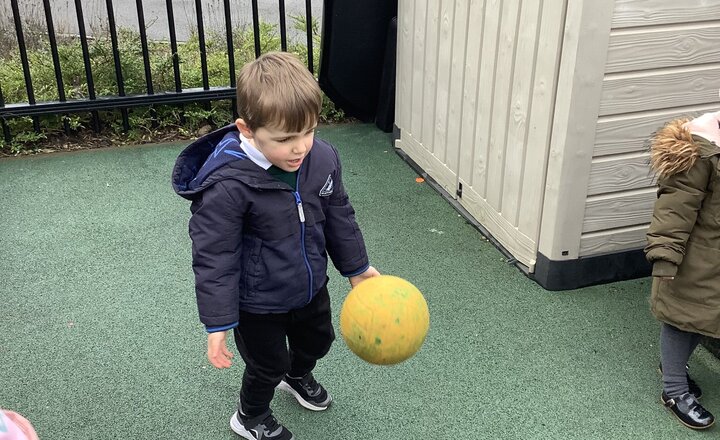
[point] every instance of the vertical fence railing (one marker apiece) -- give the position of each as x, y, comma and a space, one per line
24, 60
116, 61
175, 55
231, 50
144, 46
309, 33
5, 128
55, 58
256, 26
146, 56
201, 44
202, 47
283, 25
125, 100
86, 63
174, 46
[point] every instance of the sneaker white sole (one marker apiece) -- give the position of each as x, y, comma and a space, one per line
304, 403
239, 429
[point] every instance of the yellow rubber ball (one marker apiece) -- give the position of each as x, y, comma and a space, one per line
384, 320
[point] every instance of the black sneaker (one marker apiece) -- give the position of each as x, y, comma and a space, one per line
693, 387
688, 411
265, 427
307, 392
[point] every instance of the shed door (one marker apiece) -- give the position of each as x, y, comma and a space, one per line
476, 84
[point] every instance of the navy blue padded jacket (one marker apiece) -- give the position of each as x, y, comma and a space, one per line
257, 244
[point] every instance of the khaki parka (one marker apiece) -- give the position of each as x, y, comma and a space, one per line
684, 236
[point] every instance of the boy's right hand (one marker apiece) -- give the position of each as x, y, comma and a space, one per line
217, 353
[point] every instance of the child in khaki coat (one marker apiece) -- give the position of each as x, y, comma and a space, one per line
684, 248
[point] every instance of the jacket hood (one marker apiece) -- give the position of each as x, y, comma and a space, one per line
676, 146
214, 157
672, 149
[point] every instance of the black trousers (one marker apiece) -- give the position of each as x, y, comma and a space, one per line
274, 344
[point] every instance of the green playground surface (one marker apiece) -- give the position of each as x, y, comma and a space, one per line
100, 338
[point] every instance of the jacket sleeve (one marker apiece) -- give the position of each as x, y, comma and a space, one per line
215, 230
680, 197
344, 241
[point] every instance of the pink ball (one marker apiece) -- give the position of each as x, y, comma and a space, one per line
13, 426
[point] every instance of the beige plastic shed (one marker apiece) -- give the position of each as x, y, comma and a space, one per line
533, 116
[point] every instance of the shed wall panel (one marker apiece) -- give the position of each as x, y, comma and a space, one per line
619, 210
629, 132
417, 103
665, 46
614, 240
428, 59
662, 64
620, 173
660, 89
634, 13
479, 107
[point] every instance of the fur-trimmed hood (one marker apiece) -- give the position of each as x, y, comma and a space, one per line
672, 149
676, 146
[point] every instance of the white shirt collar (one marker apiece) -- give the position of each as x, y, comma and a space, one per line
253, 153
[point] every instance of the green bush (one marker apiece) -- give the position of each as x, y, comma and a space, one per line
146, 124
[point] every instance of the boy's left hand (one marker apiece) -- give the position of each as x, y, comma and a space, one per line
369, 273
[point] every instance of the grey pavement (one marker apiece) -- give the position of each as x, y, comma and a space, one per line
156, 16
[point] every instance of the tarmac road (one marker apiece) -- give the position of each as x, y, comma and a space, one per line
156, 19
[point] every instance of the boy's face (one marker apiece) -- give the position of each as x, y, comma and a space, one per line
285, 150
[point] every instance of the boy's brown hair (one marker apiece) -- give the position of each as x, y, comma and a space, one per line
277, 90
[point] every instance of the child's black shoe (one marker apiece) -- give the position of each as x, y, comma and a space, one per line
687, 409
265, 427
307, 392
693, 387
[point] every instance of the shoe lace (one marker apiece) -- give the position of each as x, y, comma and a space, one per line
309, 383
270, 423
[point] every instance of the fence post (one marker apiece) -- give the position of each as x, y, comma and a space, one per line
201, 44
24, 60
56, 60
5, 128
309, 33
86, 63
116, 59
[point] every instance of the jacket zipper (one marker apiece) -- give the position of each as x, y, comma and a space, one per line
301, 214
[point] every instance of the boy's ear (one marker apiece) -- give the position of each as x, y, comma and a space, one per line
243, 128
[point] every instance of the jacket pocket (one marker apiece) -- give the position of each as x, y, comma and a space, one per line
252, 267
698, 275
280, 229
280, 278
714, 188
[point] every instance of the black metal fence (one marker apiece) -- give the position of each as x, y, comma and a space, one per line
122, 101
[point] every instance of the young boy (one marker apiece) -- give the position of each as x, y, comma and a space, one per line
268, 206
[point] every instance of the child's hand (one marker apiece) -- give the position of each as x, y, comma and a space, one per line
369, 273
218, 354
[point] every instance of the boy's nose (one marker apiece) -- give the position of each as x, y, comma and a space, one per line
299, 147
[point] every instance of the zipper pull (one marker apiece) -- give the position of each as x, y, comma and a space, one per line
301, 213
